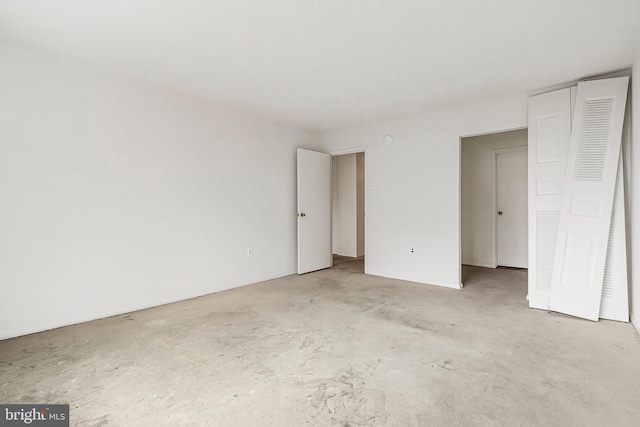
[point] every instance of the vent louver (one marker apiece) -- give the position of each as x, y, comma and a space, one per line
547, 233
594, 136
607, 282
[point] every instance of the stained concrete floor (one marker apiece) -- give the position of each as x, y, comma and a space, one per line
336, 348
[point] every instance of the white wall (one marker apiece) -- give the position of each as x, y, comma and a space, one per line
634, 174
345, 222
117, 196
478, 232
413, 186
360, 198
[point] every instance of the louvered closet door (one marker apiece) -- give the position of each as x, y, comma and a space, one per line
549, 135
587, 200
615, 294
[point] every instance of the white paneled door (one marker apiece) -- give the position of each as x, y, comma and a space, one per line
587, 199
549, 135
511, 202
314, 211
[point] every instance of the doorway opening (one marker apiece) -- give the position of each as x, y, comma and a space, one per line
493, 201
347, 210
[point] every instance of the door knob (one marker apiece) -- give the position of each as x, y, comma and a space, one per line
499, 212
303, 214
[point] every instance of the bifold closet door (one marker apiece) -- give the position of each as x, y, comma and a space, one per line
549, 136
615, 290
587, 198
548, 147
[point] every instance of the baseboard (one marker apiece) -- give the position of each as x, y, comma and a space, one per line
42, 327
409, 279
635, 321
346, 255
479, 264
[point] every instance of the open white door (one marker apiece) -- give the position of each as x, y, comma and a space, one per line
549, 136
585, 215
314, 211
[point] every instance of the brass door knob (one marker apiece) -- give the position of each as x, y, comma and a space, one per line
499, 212
303, 214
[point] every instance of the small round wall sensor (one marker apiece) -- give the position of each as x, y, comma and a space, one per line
388, 139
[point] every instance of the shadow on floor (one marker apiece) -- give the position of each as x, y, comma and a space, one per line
473, 276
354, 265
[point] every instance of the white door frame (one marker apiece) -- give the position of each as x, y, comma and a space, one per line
460, 140
355, 150
496, 152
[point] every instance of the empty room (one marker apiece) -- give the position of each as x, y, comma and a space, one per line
328, 213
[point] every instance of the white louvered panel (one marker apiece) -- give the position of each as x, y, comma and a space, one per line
547, 233
608, 289
594, 136
615, 287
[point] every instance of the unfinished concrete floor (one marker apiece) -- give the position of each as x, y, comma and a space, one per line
340, 348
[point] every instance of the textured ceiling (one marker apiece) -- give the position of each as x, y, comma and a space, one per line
330, 64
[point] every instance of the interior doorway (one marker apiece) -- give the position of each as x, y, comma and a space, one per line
348, 205
493, 200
